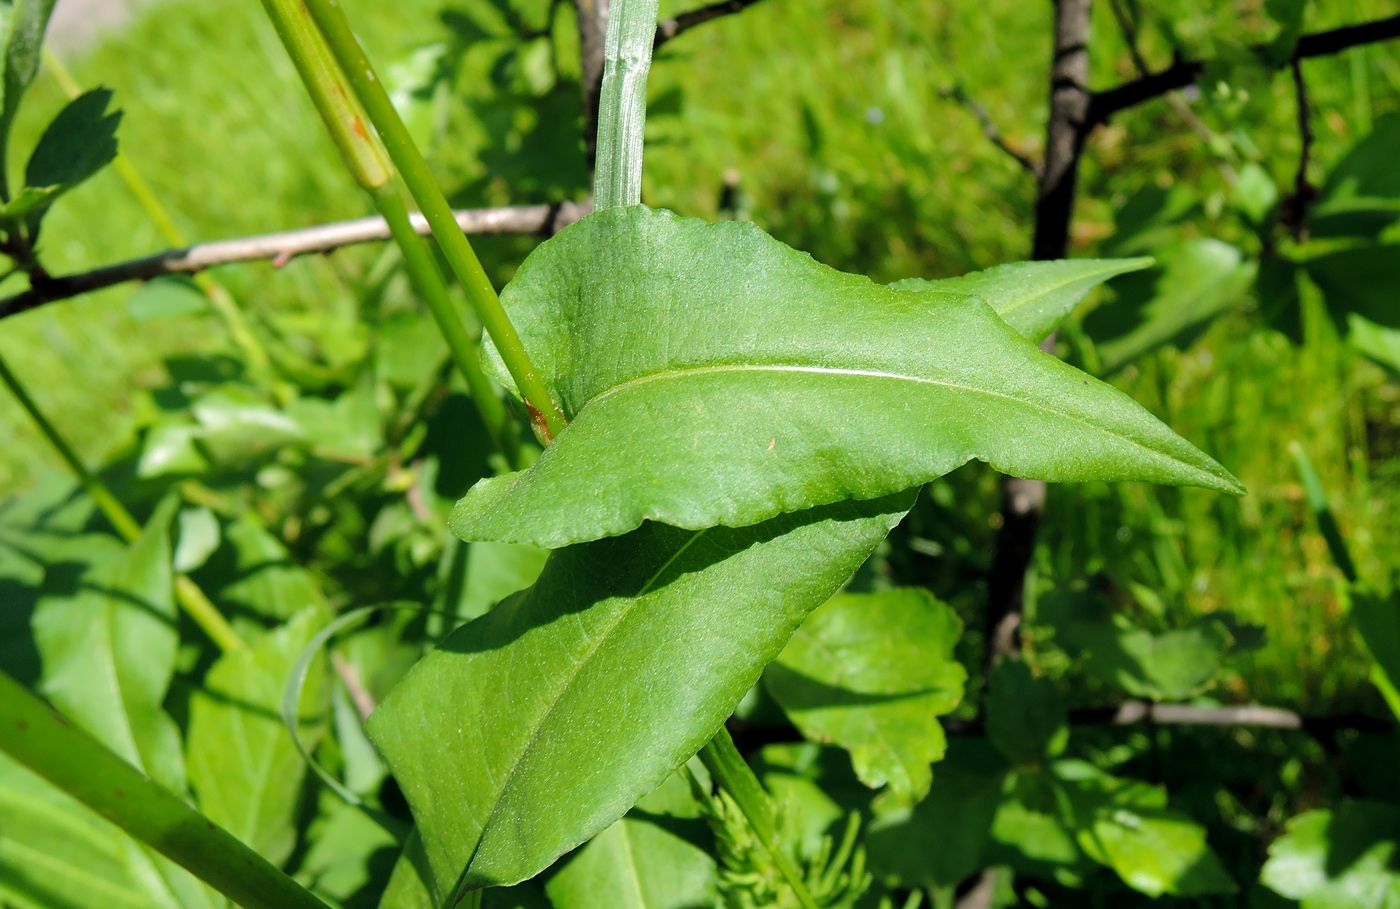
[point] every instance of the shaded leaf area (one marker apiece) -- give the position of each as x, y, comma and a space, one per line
655, 857
56, 854
1173, 665
716, 376
1031, 297
1339, 858
617, 666
1052, 823
104, 632
871, 672
1194, 281
1027, 719
109, 654
1361, 196
1126, 825
1377, 620
79, 142
244, 768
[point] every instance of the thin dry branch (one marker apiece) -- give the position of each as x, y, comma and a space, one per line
958, 95
670, 28
282, 247
1184, 72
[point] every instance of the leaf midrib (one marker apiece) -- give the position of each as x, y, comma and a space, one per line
846, 372
595, 644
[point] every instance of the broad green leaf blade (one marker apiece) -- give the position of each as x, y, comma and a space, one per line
636, 864
244, 767
610, 672
109, 654
715, 376
1338, 859
1126, 825
1031, 297
870, 672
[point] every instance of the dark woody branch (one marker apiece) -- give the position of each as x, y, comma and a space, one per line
279, 248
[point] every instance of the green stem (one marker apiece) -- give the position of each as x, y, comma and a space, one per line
225, 306
42, 740
423, 271
733, 774
418, 177
204, 613
622, 103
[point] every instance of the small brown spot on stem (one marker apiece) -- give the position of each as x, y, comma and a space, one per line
358, 126
21, 725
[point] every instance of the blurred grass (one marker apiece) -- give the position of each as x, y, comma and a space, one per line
835, 118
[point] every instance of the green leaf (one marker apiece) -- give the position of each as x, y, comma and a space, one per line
1026, 716
1377, 620
1126, 825
1031, 297
1194, 281
1362, 194
715, 376
636, 864
942, 840
79, 142
55, 854
1359, 280
25, 201
1161, 667
254, 572
24, 25
237, 425
109, 654
347, 857
245, 770
1340, 859
870, 672
665, 627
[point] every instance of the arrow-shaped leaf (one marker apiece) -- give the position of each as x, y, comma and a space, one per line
716, 376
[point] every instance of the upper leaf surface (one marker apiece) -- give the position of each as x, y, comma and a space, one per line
870, 672
1031, 297
716, 376
611, 671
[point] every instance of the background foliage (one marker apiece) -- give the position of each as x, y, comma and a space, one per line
329, 488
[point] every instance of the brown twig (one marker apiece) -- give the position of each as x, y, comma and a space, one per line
670, 28
1184, 72
350, 678
281, 247
1295, 208
958, 95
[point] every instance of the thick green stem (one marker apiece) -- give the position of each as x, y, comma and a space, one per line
423, 271
622, 103
75, 762
204, 613
733, 774
418, 177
